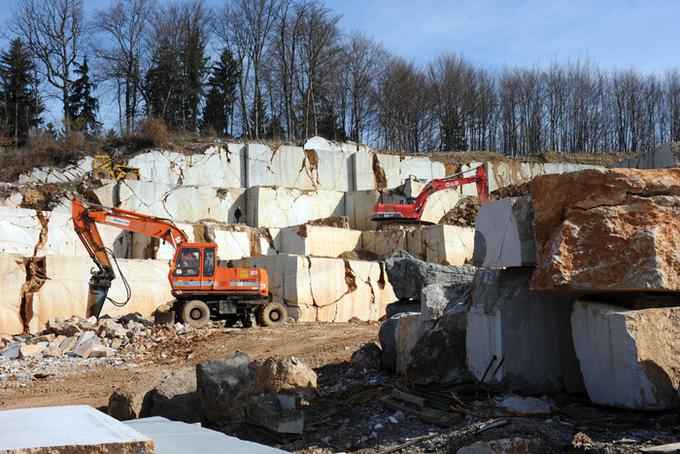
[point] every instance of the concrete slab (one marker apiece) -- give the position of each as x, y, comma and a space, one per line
519, 338
629, 358
504, 235
67, 429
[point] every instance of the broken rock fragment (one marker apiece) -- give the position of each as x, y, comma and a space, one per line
409, 275
288, 375
608, 230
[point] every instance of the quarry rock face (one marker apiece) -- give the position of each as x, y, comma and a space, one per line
12, 279
608, 230
317, 289
519, 338
504, 235
629, 358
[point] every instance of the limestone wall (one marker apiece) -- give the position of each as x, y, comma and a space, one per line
12, 278
326, 289
283, 207
319, 241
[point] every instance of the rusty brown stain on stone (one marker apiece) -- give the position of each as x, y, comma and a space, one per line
379, 173
350, 277
613, 229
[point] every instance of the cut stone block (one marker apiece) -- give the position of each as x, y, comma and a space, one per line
504, 235
629, 358
282, 207
319, 241
384, 242
182, 204
65, 289
68, 429
659, 158
19, 231
326, 289
285, 167
519, 338
448, 244
608, 230
12, 278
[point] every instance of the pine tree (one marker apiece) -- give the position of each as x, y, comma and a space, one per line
83, 107
20, 100
219, 105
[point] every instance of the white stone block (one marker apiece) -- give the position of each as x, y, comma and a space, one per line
326, 289
218, 166
319, 241
19, 231
182, 204
359, 206
283, 207
159, 166
68, 429
448, 244
504, 235
383, 242
629, 358
285, 167
439, 204
58, 175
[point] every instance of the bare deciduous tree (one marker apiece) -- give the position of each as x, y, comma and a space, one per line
121, 51
53, 30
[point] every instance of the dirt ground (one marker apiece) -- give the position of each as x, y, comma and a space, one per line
348, 413
317, 345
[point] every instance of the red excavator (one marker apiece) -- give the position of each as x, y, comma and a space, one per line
202, 289
411, 212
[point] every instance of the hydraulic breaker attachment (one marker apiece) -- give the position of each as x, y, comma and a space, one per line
100, 282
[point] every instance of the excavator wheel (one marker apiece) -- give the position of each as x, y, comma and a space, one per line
272, 314
195, 313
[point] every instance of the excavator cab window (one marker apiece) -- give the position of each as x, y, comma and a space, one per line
209, 262
188, 262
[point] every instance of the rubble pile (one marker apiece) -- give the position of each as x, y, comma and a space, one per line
464, 213
64, 338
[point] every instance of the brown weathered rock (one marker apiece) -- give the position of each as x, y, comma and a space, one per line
288, 375
604, 230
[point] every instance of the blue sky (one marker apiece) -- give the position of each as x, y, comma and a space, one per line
617, 34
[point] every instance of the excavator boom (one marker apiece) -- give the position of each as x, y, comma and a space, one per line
412, 212
87, 215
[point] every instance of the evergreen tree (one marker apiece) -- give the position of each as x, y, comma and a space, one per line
219, 105
20, 100
83, 107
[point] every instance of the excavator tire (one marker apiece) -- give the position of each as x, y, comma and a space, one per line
272, 314
195, 313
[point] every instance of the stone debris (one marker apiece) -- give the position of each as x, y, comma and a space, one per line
505, 446
464, 213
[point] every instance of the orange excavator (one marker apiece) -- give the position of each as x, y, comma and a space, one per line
413, 211
202, 288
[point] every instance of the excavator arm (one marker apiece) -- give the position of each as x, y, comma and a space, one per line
454, 181
412, 212
87, 215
